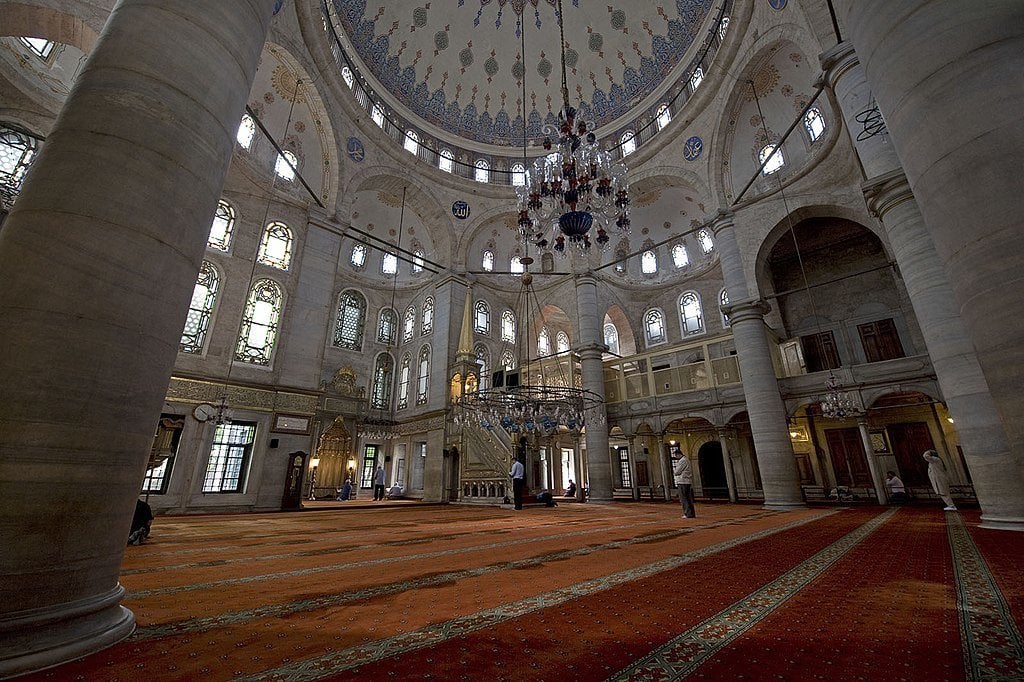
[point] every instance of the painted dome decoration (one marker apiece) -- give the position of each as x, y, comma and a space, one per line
459, 64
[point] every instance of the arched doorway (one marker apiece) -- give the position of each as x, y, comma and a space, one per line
713, 481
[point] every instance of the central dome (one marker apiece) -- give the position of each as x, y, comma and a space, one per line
459, 65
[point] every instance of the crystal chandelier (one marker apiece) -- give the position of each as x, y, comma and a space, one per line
575, 184
837, 403
553, 405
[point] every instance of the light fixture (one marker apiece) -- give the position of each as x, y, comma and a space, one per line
574, 185
381, 425
223, 415
837, 403
539, 397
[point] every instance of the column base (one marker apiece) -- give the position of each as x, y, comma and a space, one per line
1002, 523
784, 506
43, 638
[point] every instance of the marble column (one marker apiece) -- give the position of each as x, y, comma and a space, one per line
877, 479
99, 258
730, 475
590, 349
995, 472
779, 476
945, 77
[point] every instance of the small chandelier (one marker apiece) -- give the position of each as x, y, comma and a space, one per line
837, 403
574, 185
378, 428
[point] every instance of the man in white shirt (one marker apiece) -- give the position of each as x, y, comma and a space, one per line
518, 474
897, 491
683, 473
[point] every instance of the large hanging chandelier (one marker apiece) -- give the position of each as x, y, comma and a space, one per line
573, 186
539, 397
837, 403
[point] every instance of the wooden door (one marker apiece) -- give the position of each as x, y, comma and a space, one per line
909, 441
292, 497
848, 461
820, 352
880, 340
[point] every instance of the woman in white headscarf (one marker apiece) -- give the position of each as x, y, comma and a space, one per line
937, 475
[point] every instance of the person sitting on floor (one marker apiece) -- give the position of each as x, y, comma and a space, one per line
546, 499
897, 491
395, 491
142, 522
345, 492
571, 490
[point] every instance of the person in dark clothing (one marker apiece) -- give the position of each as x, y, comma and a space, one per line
142, 522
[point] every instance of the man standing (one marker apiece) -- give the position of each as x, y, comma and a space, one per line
684, 481
378, 483
518, 474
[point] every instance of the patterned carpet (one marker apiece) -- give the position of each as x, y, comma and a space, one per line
578, 592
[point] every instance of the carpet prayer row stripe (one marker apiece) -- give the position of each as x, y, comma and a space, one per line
992, 644
352, 657
686, 652
263, 577
343, 598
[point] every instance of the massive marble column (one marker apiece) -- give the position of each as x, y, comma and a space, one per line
590, 349
99, 258
946, 78
779, 476
995, 473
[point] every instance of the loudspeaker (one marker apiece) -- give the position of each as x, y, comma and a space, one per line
273, 443
511, 379
498, 379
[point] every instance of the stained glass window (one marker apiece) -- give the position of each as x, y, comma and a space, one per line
696, 78
423, 375
286, 165
387, 324
389, 264
654, 327
403, 381
649, 263
487, 262
223, 227
417, 261
409, 324
628, 142
679, 256
508, 327
446, 160
543, 342
427, 323
507, 361
412, 142
197, 324
260, 323
276, 246
246, 132
611, 338
482, 318
518, 175
348, 329
706, 245
775, 163
377, 114
40, 47
690, 314
358, 258
229, 457
346, 75
723, 27
16, 152
663, 117
383, 374
561, 342
814, 123
482, 172
723, 300
516, 266
484, 358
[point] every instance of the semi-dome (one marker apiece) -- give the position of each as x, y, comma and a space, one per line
459, 66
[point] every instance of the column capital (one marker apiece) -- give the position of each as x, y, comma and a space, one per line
742, 311
885, 192
586, 278
591, 350
836, 61
723, 219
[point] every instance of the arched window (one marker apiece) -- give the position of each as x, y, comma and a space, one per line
518, 175
611, 338
383, 375
286, 165
412, 142
487, 262
627, 142
691, 317
654, 327
561, 342
259, 323
197, 324
481, 318
358, 258
723, 301
377, 114
704, 238
276, 246
663, 117
423, 375
427, 322
507, 360
389, 264
515, 266
346, 75
417, 261
484, 358
723, 27
16, 153
776, 161
40, 47
508, 326
696, 78
814, 124
649, 263
404, 371
222, 228
679, 256
387, 326
543, 342
348, 329
482, 172
446, 160
246, 132
409, 324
